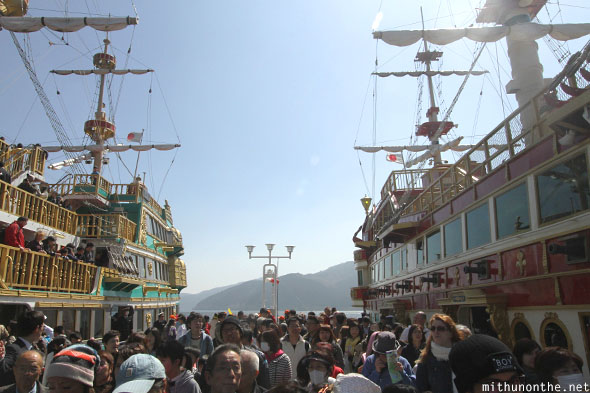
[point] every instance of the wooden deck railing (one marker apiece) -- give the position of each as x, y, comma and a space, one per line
37, 271
21, 203
105, 226
504, 142
19, 160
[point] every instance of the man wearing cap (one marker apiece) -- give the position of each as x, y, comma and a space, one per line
27, 369
29, 329
375, 367
141, 373
161, 322
72, 369
482, 363
231, 333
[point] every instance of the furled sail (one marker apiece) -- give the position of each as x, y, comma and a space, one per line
101, 72
64, 25
452, 145
428, 73
114, 148
518, 32
70, 161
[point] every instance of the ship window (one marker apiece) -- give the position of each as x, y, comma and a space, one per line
478, 226
512, 211
563, 190
396, 263
98, 323
521, 331
453, 238
388, 266
433, 247
419, 252
359, 278
554, 336
404, 258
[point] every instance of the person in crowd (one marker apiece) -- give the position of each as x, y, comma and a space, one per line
4, 174
72, 370
141, 373
352, 347
170, 329
161, 322
217, 335
75, 337
375, 367
14, 236
29, 329
27, 370
248, 337
368, 346
181, 325
434, 370
293, 344
483, 363
366, 326
419, 319
36, 244
94, 343
3, 340
191, 360
313, 325
319, 365
122, 322
111, 341
153, 340
559, 366
230, 332
125, 352
196, 336
103, 377
88, 252
249, 364
49, 245
171, 355
207, 325
526, 351
355, 383
79, 254
400, 388
416, 343
279, 364
27, 185
464, 330
224, 370
325, 334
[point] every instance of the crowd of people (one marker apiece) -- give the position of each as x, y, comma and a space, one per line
325, 352
45, 244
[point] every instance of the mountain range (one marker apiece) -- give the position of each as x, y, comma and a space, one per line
330, 287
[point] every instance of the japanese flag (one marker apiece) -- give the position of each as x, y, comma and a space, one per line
134, 137
395, 158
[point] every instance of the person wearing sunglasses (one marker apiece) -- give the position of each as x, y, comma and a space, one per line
483, 363
434, 371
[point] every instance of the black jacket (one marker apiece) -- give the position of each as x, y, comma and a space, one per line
7, 363
12, 388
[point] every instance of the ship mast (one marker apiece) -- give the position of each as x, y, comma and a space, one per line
427, 57
100, 129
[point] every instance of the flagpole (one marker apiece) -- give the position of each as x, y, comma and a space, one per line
138, 153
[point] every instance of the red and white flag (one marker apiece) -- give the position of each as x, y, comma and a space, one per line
395, 158
135, 137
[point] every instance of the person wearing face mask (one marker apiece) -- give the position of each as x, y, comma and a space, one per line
279, 364
319, 365
559, 366
376, 367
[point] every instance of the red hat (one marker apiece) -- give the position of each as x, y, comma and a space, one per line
173, 317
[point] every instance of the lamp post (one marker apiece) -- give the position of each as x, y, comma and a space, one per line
271, 273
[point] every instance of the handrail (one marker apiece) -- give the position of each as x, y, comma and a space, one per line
38, 271
504, 142
105, 226
20, 160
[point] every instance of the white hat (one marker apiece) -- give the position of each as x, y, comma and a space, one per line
354, 383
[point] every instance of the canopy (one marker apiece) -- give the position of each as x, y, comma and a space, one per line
100, 72
519, 32
64, 25
428, 73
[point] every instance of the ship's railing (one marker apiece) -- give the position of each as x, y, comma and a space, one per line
19, 160
403, 180
504, 142
37, 271
15, 201
105, 226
